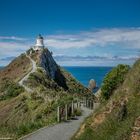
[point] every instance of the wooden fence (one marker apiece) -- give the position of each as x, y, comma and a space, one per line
67, 111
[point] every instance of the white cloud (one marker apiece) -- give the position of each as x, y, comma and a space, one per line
12, 38
11, 49
93, 58
84, 41
95, 63
100, 37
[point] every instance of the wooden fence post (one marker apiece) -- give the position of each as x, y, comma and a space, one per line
77, 105
58, 114
86, 102
66, 112
72, 108
93, 104
90, 104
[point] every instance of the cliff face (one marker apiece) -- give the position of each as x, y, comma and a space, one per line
48, 63
52, 69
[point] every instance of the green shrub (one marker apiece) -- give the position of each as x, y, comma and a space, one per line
10, 89
38, 116
78, 112
28, 127
113, 79
14, 90
30, 50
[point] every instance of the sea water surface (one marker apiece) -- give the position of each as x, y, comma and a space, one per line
84, 74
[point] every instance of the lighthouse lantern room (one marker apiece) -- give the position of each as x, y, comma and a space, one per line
39, 43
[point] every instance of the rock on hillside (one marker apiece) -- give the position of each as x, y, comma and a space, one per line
48, 63
92, 84
52, 69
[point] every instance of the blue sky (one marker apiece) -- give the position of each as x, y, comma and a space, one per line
79, 32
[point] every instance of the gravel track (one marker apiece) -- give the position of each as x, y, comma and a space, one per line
61, 131
21, 82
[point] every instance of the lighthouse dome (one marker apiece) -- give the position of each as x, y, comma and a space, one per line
39, 37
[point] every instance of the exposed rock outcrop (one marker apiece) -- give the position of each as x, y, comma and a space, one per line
92, 84
48, 63
135, 135
52, 69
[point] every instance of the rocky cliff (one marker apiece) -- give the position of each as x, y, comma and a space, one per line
47, 62
62, 78
52, 69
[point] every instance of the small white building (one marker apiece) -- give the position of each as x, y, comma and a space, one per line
39, 43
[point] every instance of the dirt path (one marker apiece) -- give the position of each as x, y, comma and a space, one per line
21, 82
61, 131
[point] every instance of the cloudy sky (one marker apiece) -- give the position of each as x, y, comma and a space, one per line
78, 32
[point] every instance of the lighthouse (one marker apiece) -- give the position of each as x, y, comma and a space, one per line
39, 43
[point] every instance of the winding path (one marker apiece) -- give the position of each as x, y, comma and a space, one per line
61, 131
21, 82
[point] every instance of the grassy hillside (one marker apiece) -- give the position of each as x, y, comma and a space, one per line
118, 118
22, 112
27, 112
16, 69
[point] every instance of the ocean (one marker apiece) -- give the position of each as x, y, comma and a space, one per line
84, 74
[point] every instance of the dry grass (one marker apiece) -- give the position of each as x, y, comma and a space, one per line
6, 108
25, 113
16, 69
105, 124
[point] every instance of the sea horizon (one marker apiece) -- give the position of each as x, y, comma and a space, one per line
85, 74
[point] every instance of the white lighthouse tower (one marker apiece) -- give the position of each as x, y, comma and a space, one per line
39, 43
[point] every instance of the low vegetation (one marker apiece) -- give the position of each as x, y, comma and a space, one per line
9, 89
116, 118
25, 113
22, 112
78, 112
113, 80
19, 67
75, 86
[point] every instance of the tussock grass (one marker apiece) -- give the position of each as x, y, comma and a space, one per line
112, 128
